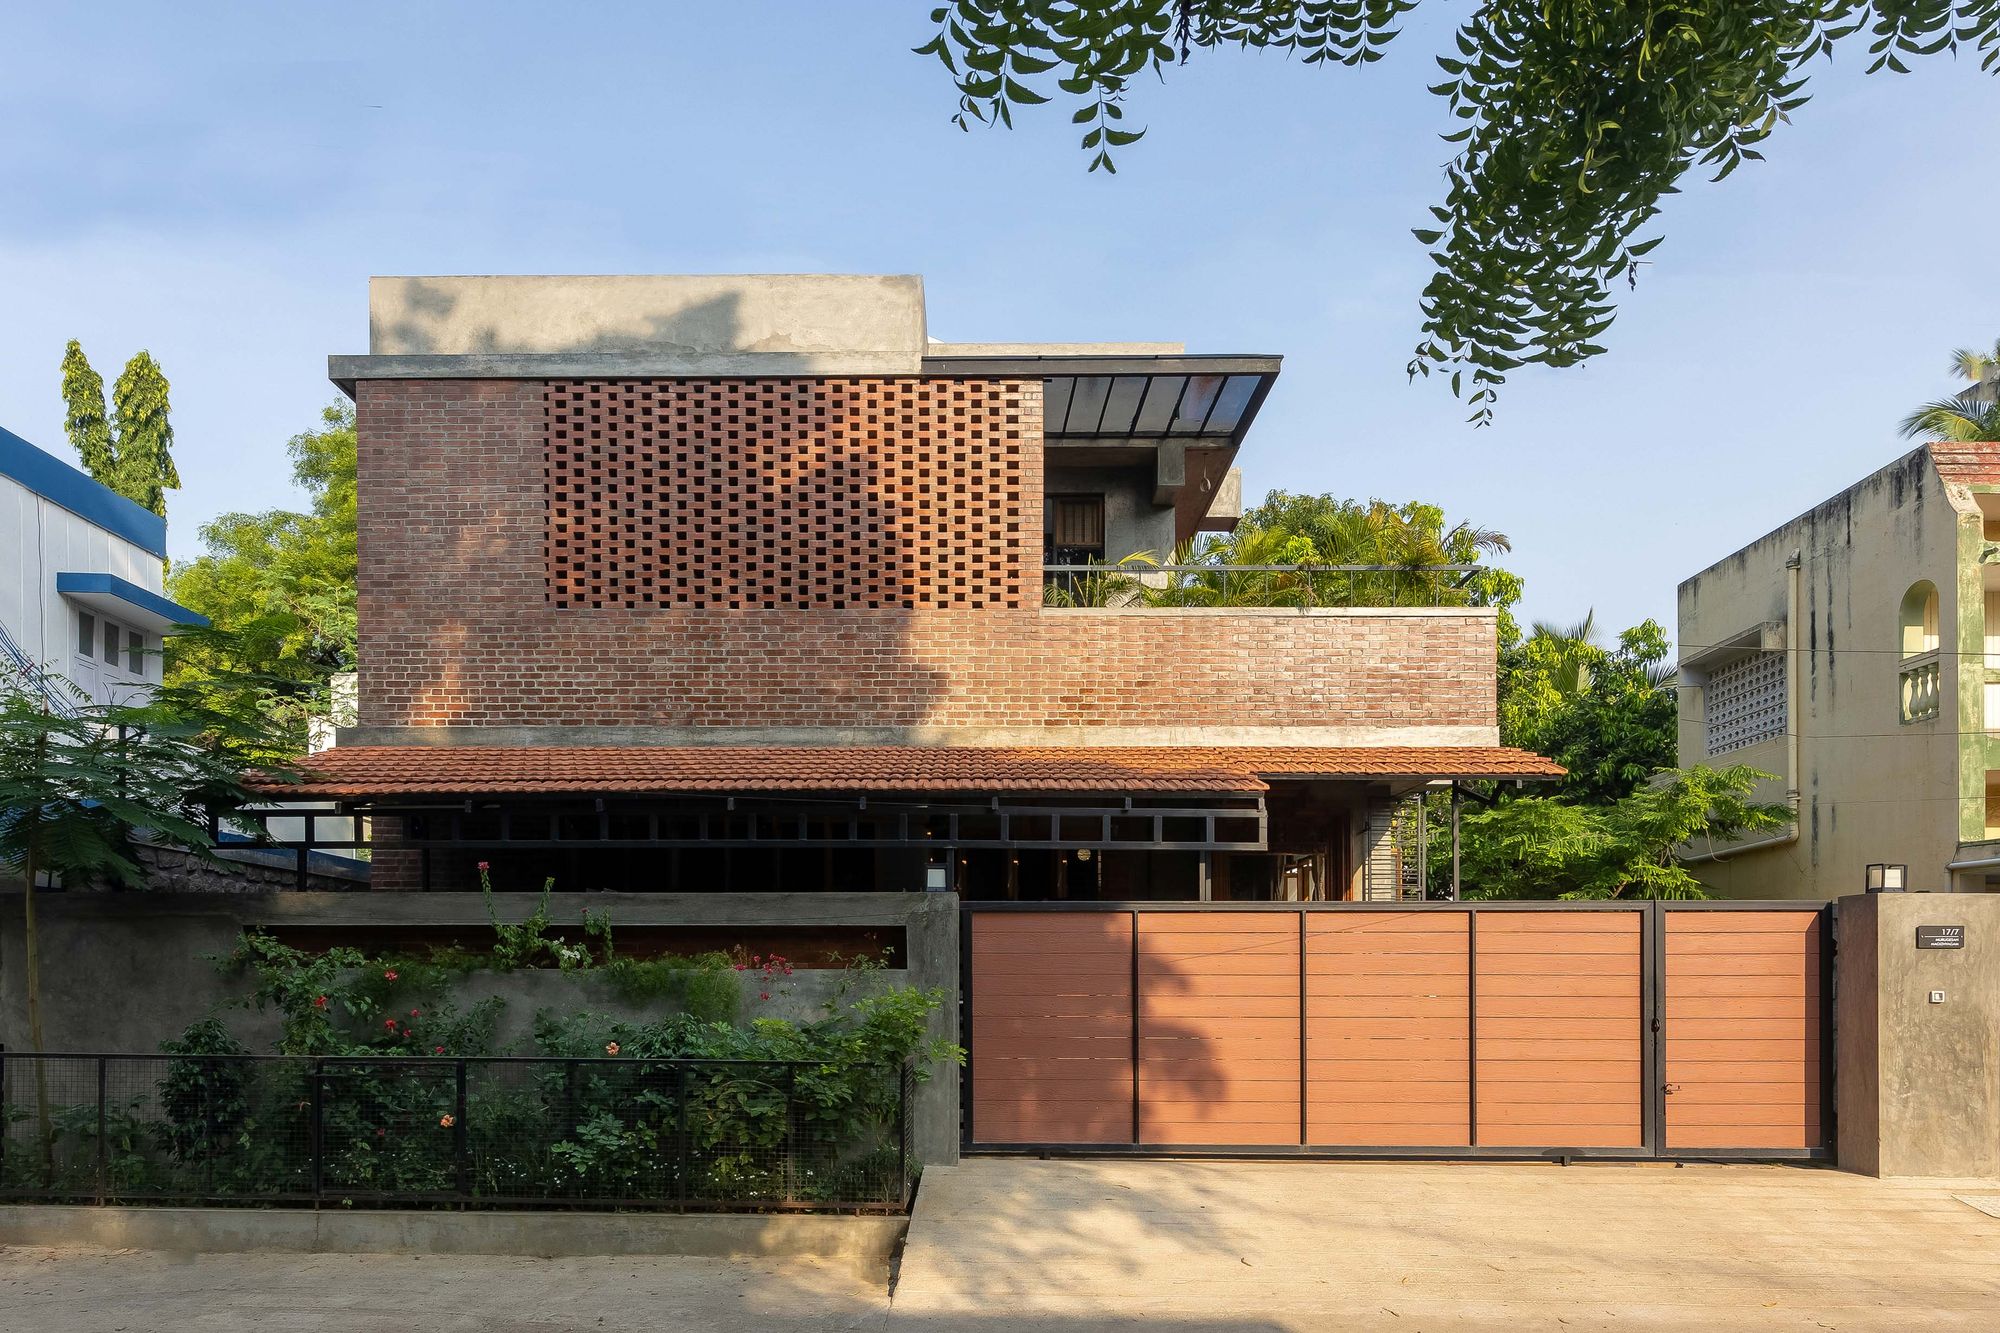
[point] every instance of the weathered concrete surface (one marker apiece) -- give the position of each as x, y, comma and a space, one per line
1918, 1085
1021, 1244
679, 324
126, 970
131, 1291
862, 1244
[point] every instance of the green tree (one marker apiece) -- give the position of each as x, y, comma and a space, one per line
139, 408
1969, 416
1608, 715
82, 787
132, 451
280, 587
1554, 847
83, 417
1407, 542
1572, 122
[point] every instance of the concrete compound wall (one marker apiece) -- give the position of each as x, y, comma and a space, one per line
866, 1244
1917, 1083
124, 971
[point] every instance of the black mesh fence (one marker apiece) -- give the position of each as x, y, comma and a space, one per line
503, 1131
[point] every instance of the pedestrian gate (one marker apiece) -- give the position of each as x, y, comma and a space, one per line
1448, 1029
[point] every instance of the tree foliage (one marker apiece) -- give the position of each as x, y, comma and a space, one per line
280, 588
1552, 847
145, 434
82, 787
132, 451
1608, 715
1572, 121
84, 422
1972, 415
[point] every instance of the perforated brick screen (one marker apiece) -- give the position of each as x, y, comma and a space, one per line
878, 493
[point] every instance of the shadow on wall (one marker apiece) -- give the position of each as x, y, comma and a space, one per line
700, 327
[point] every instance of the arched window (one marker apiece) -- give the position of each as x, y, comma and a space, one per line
1919, 619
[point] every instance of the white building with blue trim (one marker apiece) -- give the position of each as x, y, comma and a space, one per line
82, 579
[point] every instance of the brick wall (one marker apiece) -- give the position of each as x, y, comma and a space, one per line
457, 625
861, 493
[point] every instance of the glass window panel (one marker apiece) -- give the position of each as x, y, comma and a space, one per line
1157, 412
1229, 405
1201, 393
1055, 404
111, 643
1121, 407
1087, 405
135, 653
86, 633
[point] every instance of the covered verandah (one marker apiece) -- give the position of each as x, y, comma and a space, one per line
1190, 823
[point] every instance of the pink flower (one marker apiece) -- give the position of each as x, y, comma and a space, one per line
437, 1050
389, 1023
415, 1014
484, 866
381, 1133
764, 995
320, 1003
611, 1048
388, 976
447, 1121
739, 967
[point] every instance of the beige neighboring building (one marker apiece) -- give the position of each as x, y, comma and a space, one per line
1855, 653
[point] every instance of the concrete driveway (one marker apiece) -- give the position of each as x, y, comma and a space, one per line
1239, 1247
1007, 1246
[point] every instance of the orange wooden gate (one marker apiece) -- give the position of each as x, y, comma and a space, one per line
1446, 1029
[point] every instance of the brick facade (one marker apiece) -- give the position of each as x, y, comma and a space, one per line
457, 625
730, 494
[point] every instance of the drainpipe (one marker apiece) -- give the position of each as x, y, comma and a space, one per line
1724, 853
1794, 673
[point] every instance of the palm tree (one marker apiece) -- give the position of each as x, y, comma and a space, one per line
1575, 650
1969, 416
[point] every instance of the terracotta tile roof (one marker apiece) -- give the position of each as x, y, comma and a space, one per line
1970, 463
348, 772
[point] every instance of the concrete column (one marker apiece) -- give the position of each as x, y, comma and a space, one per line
1917, 1079
932, 932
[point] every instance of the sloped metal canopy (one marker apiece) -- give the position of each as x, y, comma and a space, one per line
1207, 400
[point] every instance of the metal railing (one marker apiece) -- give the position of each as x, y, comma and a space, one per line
15, 662
1138, 583
501, 1131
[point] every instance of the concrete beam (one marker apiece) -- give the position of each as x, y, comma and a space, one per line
1080, 736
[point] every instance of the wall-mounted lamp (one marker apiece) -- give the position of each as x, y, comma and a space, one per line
937, 878
1888, 878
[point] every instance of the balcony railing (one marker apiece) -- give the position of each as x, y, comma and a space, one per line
1919, 689
1140, 584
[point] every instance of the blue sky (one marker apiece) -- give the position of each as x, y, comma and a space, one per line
217, 183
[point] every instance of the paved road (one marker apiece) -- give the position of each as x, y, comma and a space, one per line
1175, 1247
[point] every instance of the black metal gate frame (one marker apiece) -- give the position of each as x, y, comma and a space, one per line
1652, 973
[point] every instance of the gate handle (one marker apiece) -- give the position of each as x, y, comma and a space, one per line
1672, 1088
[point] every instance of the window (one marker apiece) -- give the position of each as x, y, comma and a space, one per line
86, 633
1746, 702
111, 653
1075, 533
1919, 620
135, 652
